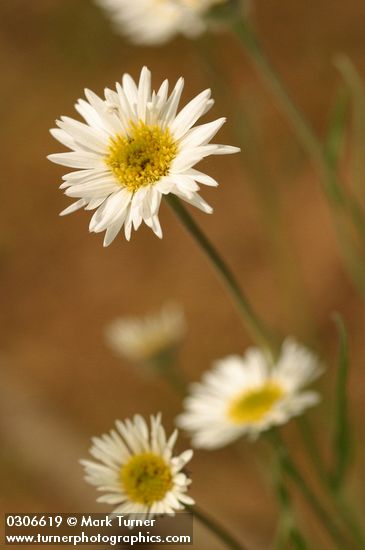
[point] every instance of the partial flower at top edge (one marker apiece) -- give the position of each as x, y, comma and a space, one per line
155, 22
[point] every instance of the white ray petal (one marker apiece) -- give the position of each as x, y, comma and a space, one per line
109, 212
131, 91
201, 135
73, 207
90, 115
63, 138
109, 120
94, 189
144, 93
113, 229
201, 177
162, 95
169, 110
190, 114
85, 175
94, 140
186, 184
197, 201
79, 159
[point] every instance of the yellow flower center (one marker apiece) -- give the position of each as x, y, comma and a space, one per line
253, 405
141, 157
146, 478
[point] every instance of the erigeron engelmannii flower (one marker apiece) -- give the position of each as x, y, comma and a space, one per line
142, 339
136, 469
157, 21
134, 149
246, 395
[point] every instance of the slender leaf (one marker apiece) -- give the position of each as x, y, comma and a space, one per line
355, 86
288, 534
342, 435
337, 129
297, 540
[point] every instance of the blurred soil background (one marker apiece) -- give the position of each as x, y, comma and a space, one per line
59, 384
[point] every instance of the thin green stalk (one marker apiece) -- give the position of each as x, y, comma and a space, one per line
339, 539
355, 86
333, 481
345, 512
288, 533
247, 36
354, 263
174, 378
165, 365
217, 529
342, 437
350, 520
312, 449
267, 196
340, 201
257, 329
332, 186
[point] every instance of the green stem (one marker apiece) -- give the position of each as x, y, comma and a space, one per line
217, 529
312, 449
305, 133
255, 326
267, 197
247, 35
349, 519
165, 365
340, 201
339, 539
174, 378
345, 512
288, 533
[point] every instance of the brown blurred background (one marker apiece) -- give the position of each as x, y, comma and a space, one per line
59, 383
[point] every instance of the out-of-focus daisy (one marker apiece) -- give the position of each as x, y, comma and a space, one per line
142, 339
246, 395
157, 21
136, 469
134, 149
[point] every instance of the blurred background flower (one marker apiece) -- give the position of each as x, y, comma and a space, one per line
145, 339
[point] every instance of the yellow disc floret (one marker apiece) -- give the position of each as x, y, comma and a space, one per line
142, 156
146, 478
253, 405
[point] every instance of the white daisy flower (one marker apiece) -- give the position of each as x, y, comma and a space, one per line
141, 339
134, 149
136, 470
247, 395
154, 22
